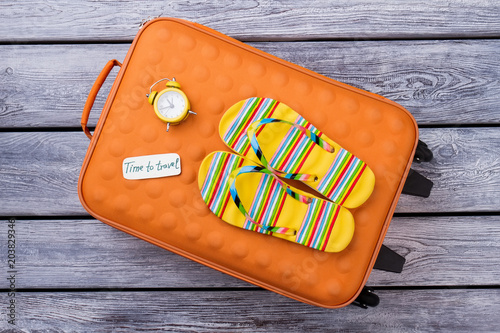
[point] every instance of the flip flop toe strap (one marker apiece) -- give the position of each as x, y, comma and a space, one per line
239, 204
251, 132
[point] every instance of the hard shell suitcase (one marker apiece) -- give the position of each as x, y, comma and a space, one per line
216, 71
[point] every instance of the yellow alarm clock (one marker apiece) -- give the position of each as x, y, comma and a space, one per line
171, 105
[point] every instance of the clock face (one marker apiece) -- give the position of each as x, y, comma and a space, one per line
171, 104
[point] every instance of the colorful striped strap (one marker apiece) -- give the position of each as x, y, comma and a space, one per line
239, 204
251, 132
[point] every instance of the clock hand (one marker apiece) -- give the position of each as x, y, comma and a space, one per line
169, 102
166, 107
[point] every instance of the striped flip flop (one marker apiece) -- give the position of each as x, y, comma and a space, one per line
251, 197
272, 134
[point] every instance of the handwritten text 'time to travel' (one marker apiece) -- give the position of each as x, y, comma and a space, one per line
151, 166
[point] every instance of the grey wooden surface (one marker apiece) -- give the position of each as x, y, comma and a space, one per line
65, 20
432, 310
439, 59
445, 82
86, 253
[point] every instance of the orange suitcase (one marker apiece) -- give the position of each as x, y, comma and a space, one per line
216, 71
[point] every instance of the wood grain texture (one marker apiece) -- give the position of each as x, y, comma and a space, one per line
399, 311
465, 171
47, 85
39, 172
439, 82
443, 251
61, 254
251, 20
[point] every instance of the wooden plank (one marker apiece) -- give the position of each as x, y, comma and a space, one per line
443, 251
89, 254
39, 172
462, 310
47, 85
439, 82
252, 20
465, 171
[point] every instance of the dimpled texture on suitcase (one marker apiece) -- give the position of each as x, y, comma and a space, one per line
215, 72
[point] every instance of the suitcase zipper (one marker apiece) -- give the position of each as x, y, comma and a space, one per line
150, 18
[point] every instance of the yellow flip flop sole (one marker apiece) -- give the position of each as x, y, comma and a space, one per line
272, 134
249, 196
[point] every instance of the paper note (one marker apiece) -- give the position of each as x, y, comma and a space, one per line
151, 166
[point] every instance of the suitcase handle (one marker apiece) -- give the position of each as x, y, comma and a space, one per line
93, 94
